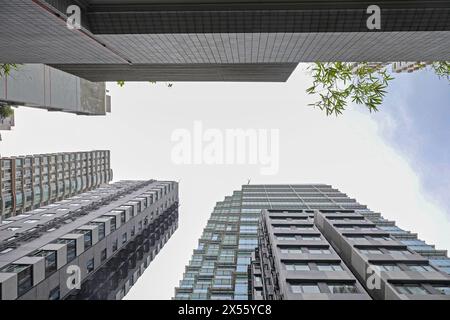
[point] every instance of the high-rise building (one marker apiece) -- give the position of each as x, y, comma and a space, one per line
339, 254
400, 67
220, 265
44, 87
94, 245
220, 40
396, 67
29, 182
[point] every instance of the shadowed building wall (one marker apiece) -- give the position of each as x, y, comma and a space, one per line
190, 37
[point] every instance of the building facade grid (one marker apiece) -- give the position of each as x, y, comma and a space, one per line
219, 267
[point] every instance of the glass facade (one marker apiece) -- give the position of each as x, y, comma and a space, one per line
30, 182
219, 266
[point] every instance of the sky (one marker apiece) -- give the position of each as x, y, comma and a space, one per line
416, 121
395, 161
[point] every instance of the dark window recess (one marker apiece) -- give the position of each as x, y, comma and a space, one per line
103, 255
24, 276
54, 294
50, 261
113, 224
71, 248
90, 265
87, 237
25, 279
101, 230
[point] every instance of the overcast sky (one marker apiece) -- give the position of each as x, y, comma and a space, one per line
396, 162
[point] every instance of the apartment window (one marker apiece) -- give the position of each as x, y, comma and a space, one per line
258, 281
441, 262
101, 230
297, 267
182, 296
24, 276
415, 289
215, 237
292, 227
318, 251
115, 245
380, 238
355, 237
445, 269
226, 256
283, 228
387, 267
371, 251
337, 218
90, 265
248, 243
229, 240
398, 251
50, 261
329, 267
290, 219
367, 228
71, 248
391, 228
124, 238
443, 289
345, 228
342, 288
291, 250
54, 294
222, 283
122, 218
286, 238
113, 224
310, 237
103, 255
87, 238
133, 231
304, 227
221, 296
420, 268
305, 288
414, 242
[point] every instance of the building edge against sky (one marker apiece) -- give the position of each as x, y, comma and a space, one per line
220, 265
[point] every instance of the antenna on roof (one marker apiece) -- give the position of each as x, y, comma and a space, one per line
248, 181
